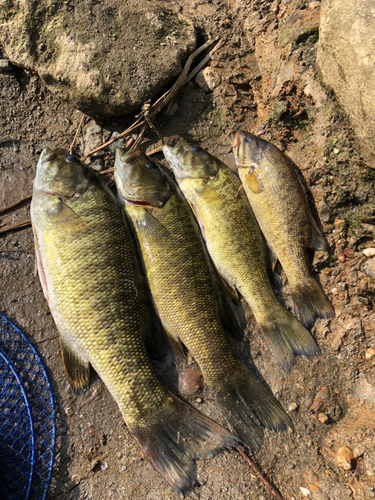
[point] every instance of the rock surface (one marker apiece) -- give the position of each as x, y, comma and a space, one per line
103, 58
347, 61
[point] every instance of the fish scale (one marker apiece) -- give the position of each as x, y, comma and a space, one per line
184, 290
280, 205
95, 290
97, 286
189, 282
236, 246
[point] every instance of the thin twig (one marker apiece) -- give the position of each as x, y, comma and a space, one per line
77, 132
135, 125
46, 340
155, 150
14, 227
139, 139
265, 481
203, 62
152, 126
165, 98
15, 206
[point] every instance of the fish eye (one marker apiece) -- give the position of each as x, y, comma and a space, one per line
151, 165
197, 149
247, 139
70, 158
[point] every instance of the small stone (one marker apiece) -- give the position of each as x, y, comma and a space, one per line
345, 458
5, 65
208, 79
358, 451
172, 109
370, 353
323, 418
198, 400
320, 399
341, 286
369, 268
341, 257
292, 407
314, 5
369, 252
369, 463
305, 492
123, 468
189, 381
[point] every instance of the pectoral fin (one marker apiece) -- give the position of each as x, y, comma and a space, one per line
253, 181
151, 227
76, 369
65, 219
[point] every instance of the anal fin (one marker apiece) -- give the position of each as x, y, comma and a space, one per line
76, 369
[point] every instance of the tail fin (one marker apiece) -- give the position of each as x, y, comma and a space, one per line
248, 406
311, 303
176, 436
287, 338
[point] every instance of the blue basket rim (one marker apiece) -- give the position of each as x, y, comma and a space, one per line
48, 385
10, 365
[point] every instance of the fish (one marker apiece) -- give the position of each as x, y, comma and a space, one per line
183, 285
279, 202
95, 289
236, 246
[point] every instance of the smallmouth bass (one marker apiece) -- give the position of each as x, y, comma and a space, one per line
184, 290
280, 205
236, 246
95, 290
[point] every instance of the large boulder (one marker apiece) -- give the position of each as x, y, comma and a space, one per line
346, 58
105, 58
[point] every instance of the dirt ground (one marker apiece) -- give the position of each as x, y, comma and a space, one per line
268, 81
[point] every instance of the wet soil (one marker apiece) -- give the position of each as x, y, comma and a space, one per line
268, 81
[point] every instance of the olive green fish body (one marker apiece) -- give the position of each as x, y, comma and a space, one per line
280, 206
178, 274
181, 280
233, 238
235, 244
95, 290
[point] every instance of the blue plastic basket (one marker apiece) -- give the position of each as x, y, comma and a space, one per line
27, 419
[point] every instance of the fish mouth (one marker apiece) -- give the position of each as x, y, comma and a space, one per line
49, 154
129, 157
236, 140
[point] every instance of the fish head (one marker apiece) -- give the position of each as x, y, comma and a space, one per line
60, 174
139, 180
248, 149
189, 161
